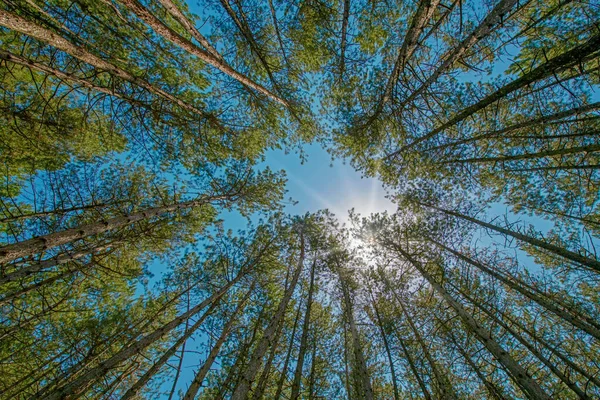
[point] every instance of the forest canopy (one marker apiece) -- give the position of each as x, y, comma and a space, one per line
131, 130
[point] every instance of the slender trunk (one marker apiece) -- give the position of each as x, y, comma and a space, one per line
79, 386
559, 251
68, 77
189, 26
304, 338
278, 33
483, 29
592, 377
566, 312
58, 260
413, 367
561, 168
364, 390
20, 24
518, 373
563, 214
346, 372
61, 211
542, 121
590, 148
243, 387
190, 394
547, 362
313, 368
423, 14
242, 25
345, 18
145, 15
152, 371
30, 247
419, 20
571, 58
386, 345
491, 388
447, 391
286, 363
264, 376
241, 358
75, 371
37, 285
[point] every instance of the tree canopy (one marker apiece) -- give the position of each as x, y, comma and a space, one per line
130, 128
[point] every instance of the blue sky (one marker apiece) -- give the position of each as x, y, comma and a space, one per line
320, 183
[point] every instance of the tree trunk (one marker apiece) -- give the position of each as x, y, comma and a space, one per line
20, 24
521, 377
548, 363
189, 26
313, 367
243, 387
79, 386
491, 388
571, 58
559, 251
264, 376
246, 32
447, 391
58, 260
288, 356
345, 18
361, 374
413, 367
304, 338
41, 243
411, 40
543, 120
590, 148
68, 77
241, 358
145, 15
141, 382
565, 312
190, 394
386, 345
422, 15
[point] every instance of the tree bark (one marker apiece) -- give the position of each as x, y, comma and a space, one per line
20, 24
190, 394
413, 367
361, 373
447, 391
304, 337
32, 246
559, 251
547, 362
491, 388
243, 387
521, 377
288, 356
571, 58
189, 26
145, 15
246, 32
152, 371
590, 148
386, 345
483, 29
543, 120
345, 17
78, 386
58, 260
561, 310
